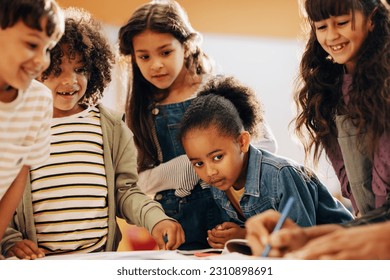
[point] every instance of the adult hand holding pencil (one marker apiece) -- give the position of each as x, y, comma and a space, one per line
262, 226
279, 224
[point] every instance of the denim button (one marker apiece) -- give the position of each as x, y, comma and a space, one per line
158, 197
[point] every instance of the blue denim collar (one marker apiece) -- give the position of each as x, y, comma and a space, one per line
252, 183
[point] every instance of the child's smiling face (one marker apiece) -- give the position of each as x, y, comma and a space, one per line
25, 53
218, 160
69, 87
342, 38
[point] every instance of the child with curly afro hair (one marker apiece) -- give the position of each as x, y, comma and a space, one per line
83, 39
73, 198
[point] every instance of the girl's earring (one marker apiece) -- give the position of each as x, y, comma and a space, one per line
330, 58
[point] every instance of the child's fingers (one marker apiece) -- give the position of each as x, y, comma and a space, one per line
22, 253
160, 242
26, 249
175, 237
220, 239
34, 248
181, 236
215, 245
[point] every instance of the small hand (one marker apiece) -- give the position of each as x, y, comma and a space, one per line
218, 236
26, 249
170, 230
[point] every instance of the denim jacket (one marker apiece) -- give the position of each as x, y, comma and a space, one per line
271, 180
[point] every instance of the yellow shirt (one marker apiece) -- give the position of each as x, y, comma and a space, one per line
234, 197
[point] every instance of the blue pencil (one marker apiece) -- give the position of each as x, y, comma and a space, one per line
280, 223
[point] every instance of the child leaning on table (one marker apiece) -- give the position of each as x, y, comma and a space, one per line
73, 199
216, 132
28, 29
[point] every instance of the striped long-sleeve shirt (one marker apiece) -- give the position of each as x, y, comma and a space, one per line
69, 191
24, 132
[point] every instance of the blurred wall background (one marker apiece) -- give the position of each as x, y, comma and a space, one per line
276, 18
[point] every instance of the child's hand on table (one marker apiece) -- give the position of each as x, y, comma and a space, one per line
218, 236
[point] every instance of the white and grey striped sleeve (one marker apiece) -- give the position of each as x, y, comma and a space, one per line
177, 174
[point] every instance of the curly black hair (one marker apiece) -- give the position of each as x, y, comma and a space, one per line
83, 36
225, 103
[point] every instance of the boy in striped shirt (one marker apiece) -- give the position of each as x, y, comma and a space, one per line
90, 178
28, 30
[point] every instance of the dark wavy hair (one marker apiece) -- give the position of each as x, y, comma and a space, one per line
162, 17
83, 36
31, 13
319, 97
224, 103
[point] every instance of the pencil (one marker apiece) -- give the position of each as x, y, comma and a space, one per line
280, 223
